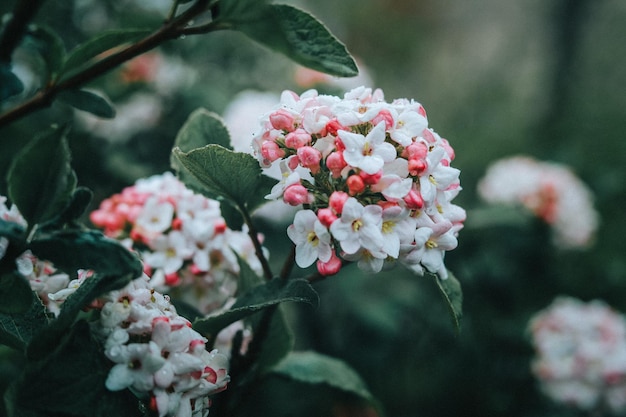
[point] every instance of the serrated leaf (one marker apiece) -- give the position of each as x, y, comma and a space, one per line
202, 128
301, 37
10, 85
16, 330
220, 172
49, 45
256, 299
72, 250
40, 180
15, 293
314, 368
70, 381
450, 289
87, 101
87, 51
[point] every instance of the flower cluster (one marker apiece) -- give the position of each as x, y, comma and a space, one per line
581, 354
183, 240
550, 190
156, 352
375, 182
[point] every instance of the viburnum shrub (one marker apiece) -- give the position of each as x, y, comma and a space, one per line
376, 183
170, 305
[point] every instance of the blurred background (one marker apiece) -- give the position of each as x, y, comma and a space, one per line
497, 78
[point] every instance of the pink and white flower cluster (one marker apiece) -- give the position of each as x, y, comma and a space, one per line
581, 354
157, 353
375, 182
549, 190
183, 240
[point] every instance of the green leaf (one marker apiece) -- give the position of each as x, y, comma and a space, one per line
256, 299
301, 37
78, 204
70, 381
40, 180
12, 231
49, 45
277, 340
10, 85
16, 330
87, 101
315, 368
220, 172
202, 128
89, 50
450, 289
15, 293
72, 250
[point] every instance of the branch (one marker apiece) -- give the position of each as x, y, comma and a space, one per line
170, 30
13, 33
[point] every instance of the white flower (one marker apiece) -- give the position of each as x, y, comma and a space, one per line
169, 252
312, 239
408, 125
370, 152
358, 227
397, 228
156, 217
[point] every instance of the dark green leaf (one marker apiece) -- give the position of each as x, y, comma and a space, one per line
16, 330
450, 290
78, 204
314, 368
40, 180
256, 299
49, 45
70, 381
235, 176
15, 293
87, 101
73, 250
12, 231
10, 85
202, 128
241, 10
89, 50
301, 37
276, 343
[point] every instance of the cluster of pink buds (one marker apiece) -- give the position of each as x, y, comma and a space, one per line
157, 353
374, 181
581, 355
187, 249
550, 191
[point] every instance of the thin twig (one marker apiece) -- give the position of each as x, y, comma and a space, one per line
168, 31
289, 262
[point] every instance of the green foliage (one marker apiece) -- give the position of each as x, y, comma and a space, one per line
17, 330
450, 290
69, 381
292, 32
41, 181
87, 101
87, 51
10, 85
50, 47
234, 176
15, 293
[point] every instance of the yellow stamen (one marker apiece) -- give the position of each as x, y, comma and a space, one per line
431, 244
356, 225
312, 239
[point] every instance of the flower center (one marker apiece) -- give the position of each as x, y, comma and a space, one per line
357, 224
388, 227
312, 239
431, 244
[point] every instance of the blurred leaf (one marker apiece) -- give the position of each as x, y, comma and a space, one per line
16, 330
49, 45
221, 172
241, 10
247, 279
450, 289
87, 51
73, 250
15, 293
40, 180
258, 298
10, 85
315, 368
69, 381
78, 204
87, 101
276, 343
12, 231
298, 35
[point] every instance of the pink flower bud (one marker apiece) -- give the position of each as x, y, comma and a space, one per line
337, 200
331, 267
296, 194
271, 151
414, 200
417, 167
332, 127
336, 163
310, 158
416, 150
371, 179
172, 279
297, 139
326, 216
384, 116
448, 148
282, 120
355, 184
